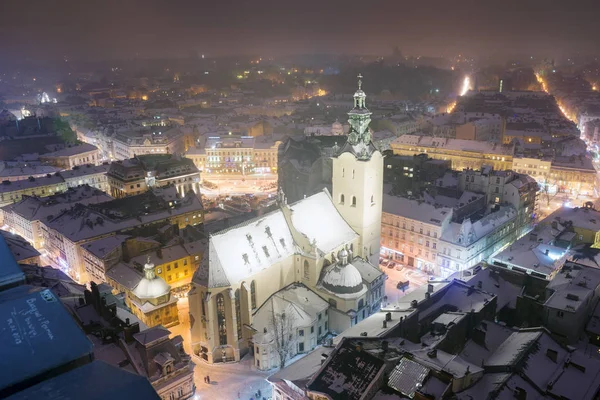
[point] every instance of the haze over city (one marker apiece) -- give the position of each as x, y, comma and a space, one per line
335, 200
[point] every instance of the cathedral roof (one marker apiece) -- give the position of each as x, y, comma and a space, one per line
263, 241
317, 218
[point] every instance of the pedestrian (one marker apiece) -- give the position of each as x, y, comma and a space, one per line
205, 379
238, 395
208, 379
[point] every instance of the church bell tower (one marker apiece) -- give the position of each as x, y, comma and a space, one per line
358, 180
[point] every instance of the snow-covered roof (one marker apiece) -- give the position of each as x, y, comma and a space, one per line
416, 210
512, 349
475, 146
259, 243
317, 218
71, 151
104, 246
297, 301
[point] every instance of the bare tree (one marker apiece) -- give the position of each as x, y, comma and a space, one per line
545, 191
282, 326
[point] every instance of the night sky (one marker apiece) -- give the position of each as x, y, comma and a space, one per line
147, 28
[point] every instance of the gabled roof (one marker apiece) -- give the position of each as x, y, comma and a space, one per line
317, 218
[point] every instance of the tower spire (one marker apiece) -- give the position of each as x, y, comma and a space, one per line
359, 81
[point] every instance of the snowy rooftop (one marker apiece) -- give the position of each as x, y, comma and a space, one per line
31, 183
467, 232
71, 151
260, 243
581, 217
296, 301
19, 247
424, 142
483, 343
317, 218
533, 256
417, 210
491, 282
104, 246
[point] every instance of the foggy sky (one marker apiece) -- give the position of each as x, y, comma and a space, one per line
150, 28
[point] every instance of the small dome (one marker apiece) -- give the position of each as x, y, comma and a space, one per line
151, 286
343, 279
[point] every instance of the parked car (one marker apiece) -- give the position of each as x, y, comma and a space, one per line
403, 285
384, 263
391, 265
399, 267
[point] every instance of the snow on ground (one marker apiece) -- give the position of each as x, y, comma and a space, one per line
416, 278
226, 380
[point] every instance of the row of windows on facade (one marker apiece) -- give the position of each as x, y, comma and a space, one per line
412, 228
353, 202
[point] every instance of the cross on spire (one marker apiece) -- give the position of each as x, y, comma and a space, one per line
359, 80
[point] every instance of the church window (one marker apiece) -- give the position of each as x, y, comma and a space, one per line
353, 201
352, 174
373, 202
343, 172
221, 319
268, 231
306, 270
238, 314
341, 199
253, 294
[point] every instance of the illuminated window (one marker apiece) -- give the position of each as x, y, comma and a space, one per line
253, 294
221, 321
238, 314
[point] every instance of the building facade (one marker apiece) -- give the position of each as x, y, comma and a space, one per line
137, 175
240, 155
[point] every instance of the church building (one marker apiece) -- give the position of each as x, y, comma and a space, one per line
328, 242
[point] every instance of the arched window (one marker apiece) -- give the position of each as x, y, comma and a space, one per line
306, 270
343, 172
222, 323
352, 174
238, 314
353, 201
342, 198
253, 294
372, 200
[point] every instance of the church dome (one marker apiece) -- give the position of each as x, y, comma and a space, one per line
343, 279
151, 286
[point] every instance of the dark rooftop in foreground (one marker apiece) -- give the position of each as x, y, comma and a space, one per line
39, 339
348, 373
93, 381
